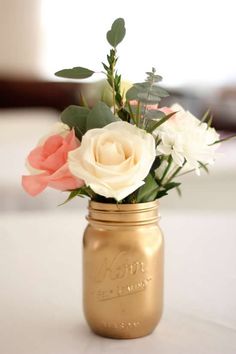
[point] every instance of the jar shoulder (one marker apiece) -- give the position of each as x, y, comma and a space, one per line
150, 237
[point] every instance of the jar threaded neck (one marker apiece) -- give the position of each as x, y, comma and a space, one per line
123, 214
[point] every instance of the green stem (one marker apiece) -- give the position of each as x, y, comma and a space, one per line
192, 170
166, 169
145, 110
83, 100
158, 141
113, 87
174, 174
131, 113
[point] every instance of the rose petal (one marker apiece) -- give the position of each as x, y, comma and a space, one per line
64, 180
34, 185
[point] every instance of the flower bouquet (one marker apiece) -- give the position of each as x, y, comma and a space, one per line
123, 155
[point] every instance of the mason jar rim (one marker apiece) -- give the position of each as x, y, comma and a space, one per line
123, 214
123, 207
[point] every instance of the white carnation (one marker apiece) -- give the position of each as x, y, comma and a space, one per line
187, 140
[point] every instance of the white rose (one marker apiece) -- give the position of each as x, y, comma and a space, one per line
113, 160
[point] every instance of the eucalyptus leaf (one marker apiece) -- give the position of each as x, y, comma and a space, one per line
160, 122
148, 191
132, 93
146, 93
76, 117
100, 116
154, 78
154, 114
75, 73
159, 91
142, 85
148, 98
116, 33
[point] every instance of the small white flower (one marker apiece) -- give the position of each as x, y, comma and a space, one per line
113, 160
61, 129
58, 128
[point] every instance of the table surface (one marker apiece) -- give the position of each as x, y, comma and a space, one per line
40, 294
40, 260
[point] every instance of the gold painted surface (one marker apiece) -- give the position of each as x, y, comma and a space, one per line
123, 269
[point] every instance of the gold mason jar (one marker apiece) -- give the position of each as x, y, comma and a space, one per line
123, 269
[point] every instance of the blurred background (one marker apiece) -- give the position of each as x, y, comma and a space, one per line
191, 44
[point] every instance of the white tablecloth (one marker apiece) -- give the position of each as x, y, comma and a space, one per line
40, 278
40, 260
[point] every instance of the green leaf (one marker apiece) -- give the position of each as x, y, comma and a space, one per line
205, 116
148, 98
71, 196
152, 77
161, 194
203, 166
105, 66
179, 191
132, 94
152, 87
148, 191
159, 91
75, 73
116, 33
100, 116
224, 139
146, 93
82, 192
171, 185
160, 121
154, 114
76, 117
155, 165
209, 122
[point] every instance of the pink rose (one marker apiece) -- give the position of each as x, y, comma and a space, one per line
48, 165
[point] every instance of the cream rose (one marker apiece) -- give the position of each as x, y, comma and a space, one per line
113, 160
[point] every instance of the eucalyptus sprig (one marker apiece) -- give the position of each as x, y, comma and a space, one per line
147, 92
114, 37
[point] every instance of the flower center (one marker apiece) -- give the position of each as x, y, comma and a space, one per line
111, 153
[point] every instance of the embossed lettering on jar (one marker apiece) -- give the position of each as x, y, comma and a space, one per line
123, 269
